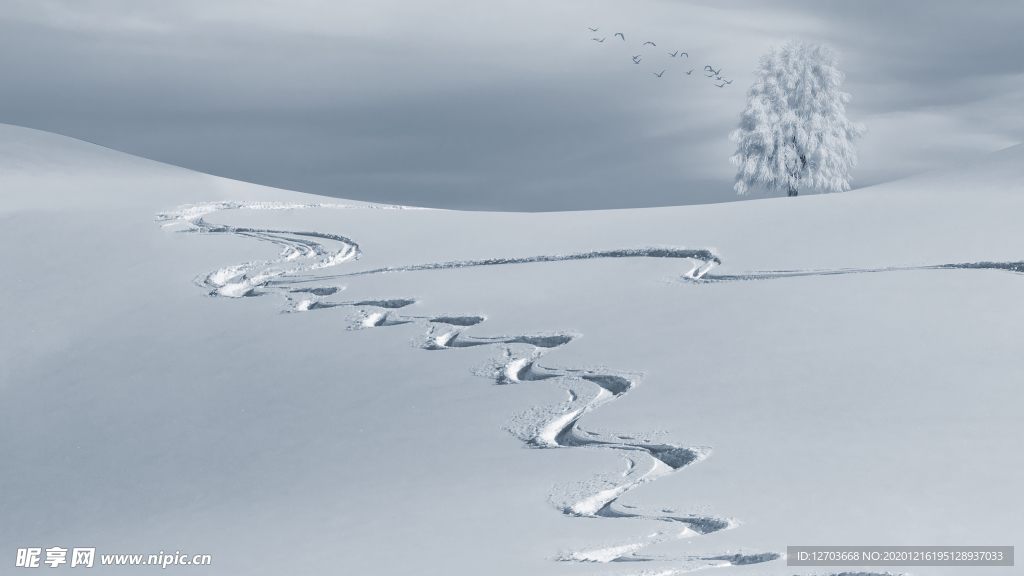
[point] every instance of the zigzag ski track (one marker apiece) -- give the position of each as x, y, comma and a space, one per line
299, 276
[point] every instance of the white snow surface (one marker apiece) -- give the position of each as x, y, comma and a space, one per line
303, 389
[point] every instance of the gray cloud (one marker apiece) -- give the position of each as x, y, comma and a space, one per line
504, 106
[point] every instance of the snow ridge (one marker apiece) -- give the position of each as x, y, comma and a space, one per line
298, 276
190, 212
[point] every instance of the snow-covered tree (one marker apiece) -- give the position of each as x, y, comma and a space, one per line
794, 133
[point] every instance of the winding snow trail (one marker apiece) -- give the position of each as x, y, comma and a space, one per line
1013, 267
305, 259
307, 256
707, 258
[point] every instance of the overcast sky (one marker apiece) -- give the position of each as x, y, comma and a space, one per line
504, 105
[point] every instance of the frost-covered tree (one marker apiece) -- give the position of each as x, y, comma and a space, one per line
794, 133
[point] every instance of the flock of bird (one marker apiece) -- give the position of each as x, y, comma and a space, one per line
709, 71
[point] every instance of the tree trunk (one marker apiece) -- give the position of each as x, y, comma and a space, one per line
792, 192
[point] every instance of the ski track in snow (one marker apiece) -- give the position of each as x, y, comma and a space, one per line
707, 258
1013, 267
298, 274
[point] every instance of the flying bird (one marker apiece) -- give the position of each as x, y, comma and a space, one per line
620, 34
685, 54
651, 43
598, 40
636, 58
727, 81
713, 71
708, 75
659, 75
635, 61
674, 54
592, 29
690, 72
720, 85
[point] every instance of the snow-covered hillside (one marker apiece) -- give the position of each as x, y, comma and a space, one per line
301, 385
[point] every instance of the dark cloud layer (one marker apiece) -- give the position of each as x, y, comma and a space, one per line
462, 106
